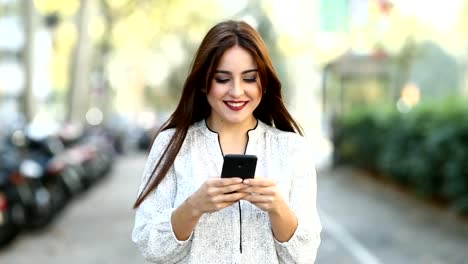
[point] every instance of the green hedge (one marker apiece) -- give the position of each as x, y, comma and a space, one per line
425, 149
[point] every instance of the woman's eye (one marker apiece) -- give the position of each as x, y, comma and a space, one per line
221, 80
250, 80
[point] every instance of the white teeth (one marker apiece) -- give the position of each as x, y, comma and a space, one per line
235, 104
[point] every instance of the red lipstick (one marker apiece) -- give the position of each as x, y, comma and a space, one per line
235, 105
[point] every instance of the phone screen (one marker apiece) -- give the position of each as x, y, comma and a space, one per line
236, 165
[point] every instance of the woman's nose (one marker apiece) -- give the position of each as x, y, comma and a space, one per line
236, 89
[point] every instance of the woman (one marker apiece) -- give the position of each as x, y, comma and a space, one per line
231, 104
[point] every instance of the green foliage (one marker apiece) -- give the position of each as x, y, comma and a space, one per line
425, 149
359, 133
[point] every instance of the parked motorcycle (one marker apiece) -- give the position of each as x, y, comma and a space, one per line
40, 192
90, 150
12, 211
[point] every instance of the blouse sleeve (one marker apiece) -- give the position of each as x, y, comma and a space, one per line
303, 245
153, 232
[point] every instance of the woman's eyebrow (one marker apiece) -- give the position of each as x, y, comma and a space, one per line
228, 72
221, 71
251, 70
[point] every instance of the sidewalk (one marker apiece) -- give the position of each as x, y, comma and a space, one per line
366, 221
95, 228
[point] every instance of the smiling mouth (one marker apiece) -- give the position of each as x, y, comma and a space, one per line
235, 106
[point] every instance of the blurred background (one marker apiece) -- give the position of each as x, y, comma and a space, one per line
380, 87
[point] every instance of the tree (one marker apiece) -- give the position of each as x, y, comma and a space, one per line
78, 94
27, 101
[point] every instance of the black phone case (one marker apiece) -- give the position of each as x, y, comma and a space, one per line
242, 166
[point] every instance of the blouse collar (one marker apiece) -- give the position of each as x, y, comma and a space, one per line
255, 132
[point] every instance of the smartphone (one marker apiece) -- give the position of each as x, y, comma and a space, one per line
237, 165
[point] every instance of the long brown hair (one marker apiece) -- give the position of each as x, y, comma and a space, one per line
193, 105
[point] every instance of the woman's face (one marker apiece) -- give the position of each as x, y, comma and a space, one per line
235, 90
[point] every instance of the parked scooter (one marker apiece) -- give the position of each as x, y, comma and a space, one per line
92, 152
12, 212
41, 194
8, 229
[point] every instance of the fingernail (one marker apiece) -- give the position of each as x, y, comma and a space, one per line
246, 181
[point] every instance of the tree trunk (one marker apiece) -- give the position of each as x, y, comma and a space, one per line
27, 100
105, 99
78, 94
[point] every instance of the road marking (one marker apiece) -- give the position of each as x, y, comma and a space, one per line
359, 252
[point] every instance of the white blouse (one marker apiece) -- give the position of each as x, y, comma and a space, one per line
282, 156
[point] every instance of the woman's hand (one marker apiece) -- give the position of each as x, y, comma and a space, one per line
263, 193
216, 194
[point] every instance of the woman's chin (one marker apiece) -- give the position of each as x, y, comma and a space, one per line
238, 119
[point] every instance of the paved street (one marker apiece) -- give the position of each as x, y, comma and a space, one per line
364, 222
95, 228
377, 223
